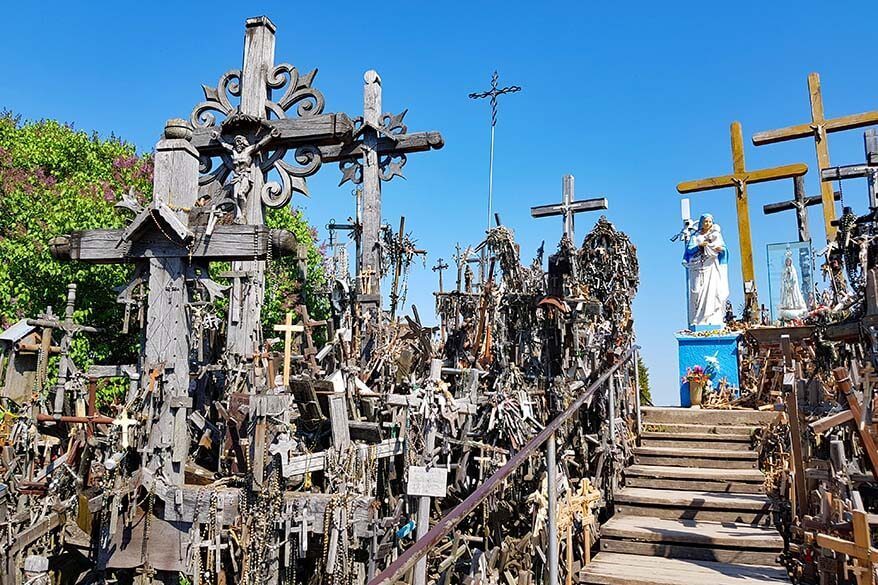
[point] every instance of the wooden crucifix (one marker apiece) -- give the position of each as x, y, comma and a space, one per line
818, 128
288, 329
739, 179
800, 204
869, 170
568, 207
251, 142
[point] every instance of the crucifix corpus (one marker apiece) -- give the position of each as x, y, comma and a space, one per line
568, 207
818, 128
800, 203
739, 179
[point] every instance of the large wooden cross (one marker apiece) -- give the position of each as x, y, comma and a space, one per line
818, 128
377, 154
800, 204
251, 142
288, 329
568, 207
739, 179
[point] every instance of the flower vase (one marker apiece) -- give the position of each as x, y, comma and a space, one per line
696, 390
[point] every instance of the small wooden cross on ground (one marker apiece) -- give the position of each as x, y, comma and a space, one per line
568, 207
800, 203
818, 128
739, 179
288, 329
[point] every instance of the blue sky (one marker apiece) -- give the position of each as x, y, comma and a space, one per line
630, 97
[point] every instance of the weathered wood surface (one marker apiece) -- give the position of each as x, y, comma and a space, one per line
703, 532
228, 242
695, 553
621, 569
320, 130
662, 415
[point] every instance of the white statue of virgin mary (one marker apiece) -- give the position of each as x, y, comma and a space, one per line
706, 261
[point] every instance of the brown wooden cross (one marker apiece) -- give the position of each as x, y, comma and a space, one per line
288, 329
739, 179
818, 128
860, 549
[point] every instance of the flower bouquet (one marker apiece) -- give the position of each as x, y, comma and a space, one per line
697, 378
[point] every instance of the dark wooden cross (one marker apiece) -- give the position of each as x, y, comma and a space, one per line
440, 266
818, 129
568, 207
869, 170
377, 153
739, 179
252, 141
800, 203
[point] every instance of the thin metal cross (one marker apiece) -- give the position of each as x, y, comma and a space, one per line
493, 93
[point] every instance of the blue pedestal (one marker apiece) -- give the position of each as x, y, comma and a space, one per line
693, 351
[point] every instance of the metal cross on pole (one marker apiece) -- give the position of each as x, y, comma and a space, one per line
800, 203
739, 179
818, 128
568, 206
493, 94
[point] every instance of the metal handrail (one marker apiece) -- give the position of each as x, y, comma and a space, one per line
407, 560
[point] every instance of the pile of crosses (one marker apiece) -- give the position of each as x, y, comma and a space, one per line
228, 461
818, 371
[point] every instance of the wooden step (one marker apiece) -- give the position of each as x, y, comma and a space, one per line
694, 505
677, 457
660, 415
691, 539
705, 479
621, 569
703, 429
696, 441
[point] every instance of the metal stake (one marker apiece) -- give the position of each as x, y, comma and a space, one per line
552, 523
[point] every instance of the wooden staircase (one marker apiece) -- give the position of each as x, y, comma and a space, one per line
692, 509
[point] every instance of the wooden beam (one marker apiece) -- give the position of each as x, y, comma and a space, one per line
833, 420
228, 242
843, 383
324, 129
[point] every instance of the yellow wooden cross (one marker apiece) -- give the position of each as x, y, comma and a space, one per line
861, 549
288, 329
739, 179
818, 128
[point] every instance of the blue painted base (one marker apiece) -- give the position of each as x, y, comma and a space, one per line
693, 351
705, 327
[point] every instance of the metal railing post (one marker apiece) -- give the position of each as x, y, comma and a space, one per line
552, 512
635, 359
611, 407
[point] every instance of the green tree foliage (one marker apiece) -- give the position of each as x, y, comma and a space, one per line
643, 378
55, 180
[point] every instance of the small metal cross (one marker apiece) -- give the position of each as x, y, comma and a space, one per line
493, 93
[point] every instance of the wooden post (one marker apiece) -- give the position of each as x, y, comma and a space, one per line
420, 570
792, 405
370, 212
800, 204
739, 179
552, 510
818, 129
175, 183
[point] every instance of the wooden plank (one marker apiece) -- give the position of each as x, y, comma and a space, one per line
705, 453
228, 242
798, 460
319, 130
699, 532
622, 569
712, 474
720, 418
676, 551
833, 420
692, 499
403, 144
751, 177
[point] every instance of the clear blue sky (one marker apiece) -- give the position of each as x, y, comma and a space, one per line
629, 97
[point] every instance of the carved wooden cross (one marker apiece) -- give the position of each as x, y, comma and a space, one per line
288, 329
739, 179
860, 549
377, 154
268, 93
869, 170
568, 206
309, 324
818, 128
800, 203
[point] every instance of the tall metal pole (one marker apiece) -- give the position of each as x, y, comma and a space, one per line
552, 512
492, 94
